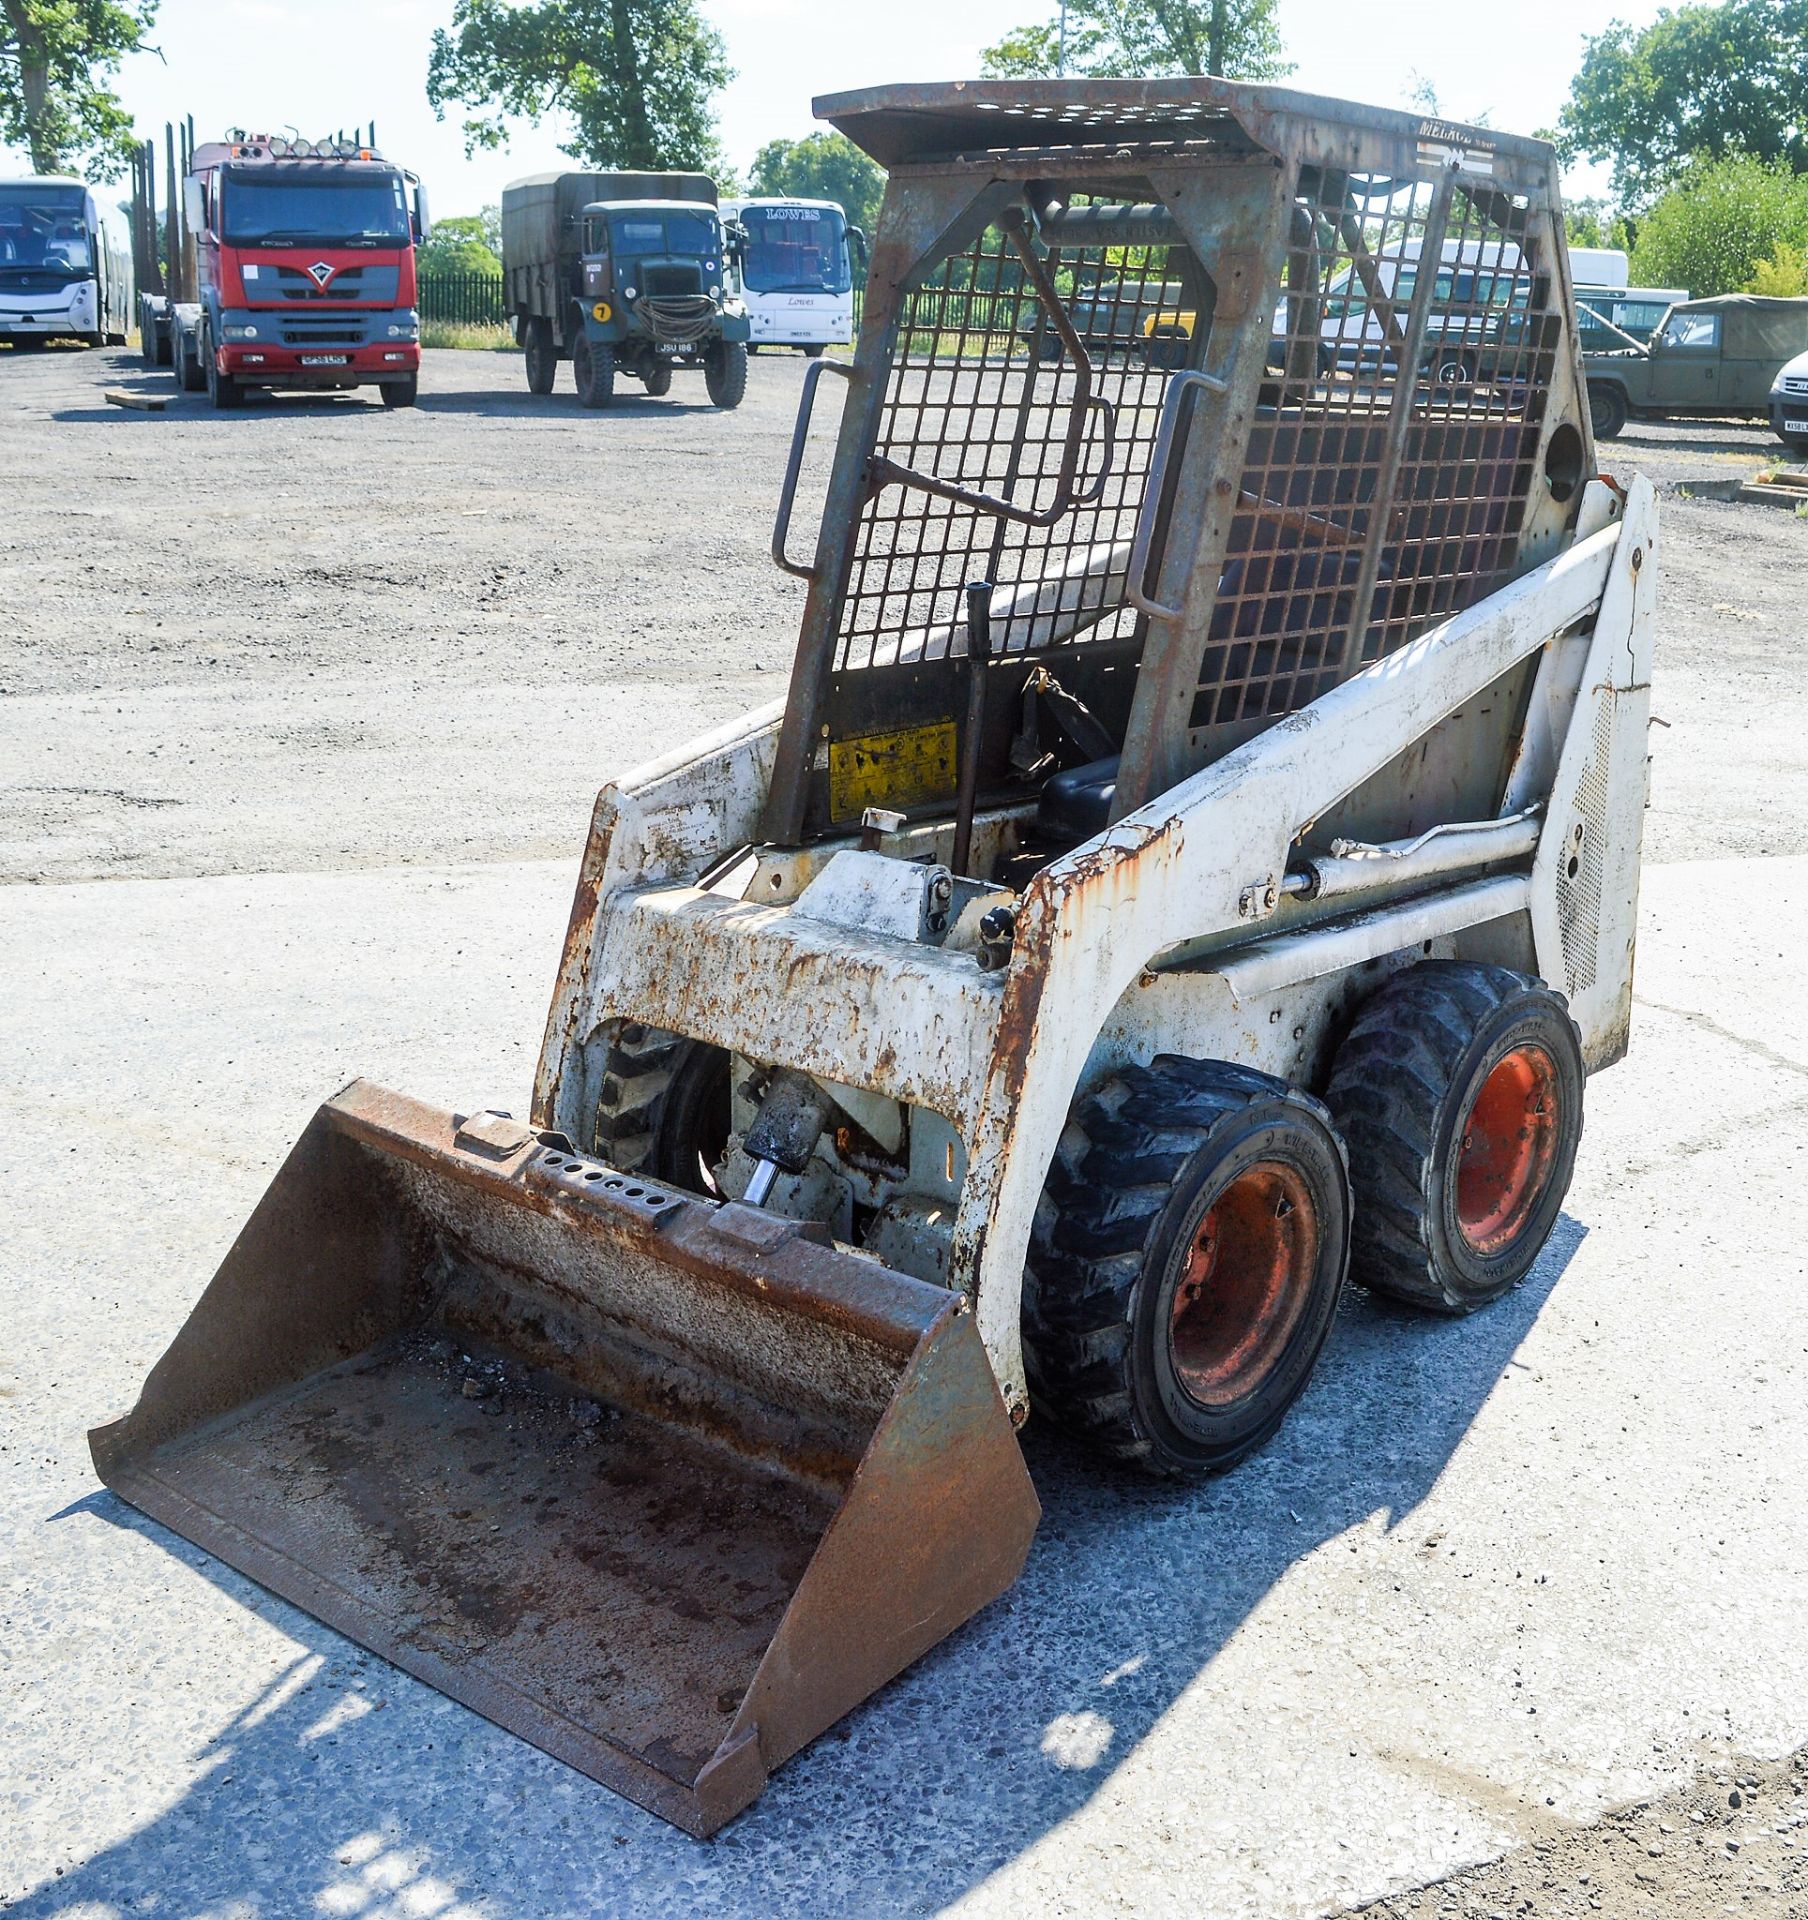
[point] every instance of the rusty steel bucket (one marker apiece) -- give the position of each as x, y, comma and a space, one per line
663, 1486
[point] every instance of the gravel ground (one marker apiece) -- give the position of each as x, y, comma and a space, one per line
1524, 1591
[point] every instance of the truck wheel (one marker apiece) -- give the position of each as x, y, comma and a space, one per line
402, 393
658, 378
224, 391
1166, 347
1607, 410
1459, 1094
725, 372
191, 376
664, 1107
593, 366
1186, 1264
542, 354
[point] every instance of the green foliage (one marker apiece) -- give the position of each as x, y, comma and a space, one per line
1710, 231
1783, 273
1596, 223
460, 244
1701, 80
1125, 39
635, 77
55, 57
822, 166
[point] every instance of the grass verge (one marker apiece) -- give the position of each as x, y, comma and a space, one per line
478, 339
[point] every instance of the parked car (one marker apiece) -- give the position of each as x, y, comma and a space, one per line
1789, 405
1717, 358
1604, 313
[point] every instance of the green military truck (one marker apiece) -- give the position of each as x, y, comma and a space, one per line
1713, 357
622, 274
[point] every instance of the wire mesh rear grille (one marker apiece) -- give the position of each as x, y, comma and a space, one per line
981, 395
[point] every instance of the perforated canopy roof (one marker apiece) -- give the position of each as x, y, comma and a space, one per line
917, 122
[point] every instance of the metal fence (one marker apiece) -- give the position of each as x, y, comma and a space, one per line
462, 300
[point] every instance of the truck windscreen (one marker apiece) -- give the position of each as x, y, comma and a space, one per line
795, 250
278, 206
45, 227
686, 233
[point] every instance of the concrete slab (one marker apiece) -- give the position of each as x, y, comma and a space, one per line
1491, 1578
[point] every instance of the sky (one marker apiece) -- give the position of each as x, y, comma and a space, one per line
322, 65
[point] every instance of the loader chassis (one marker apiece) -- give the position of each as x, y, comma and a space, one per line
1196, 858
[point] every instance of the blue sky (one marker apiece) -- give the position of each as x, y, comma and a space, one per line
318, 65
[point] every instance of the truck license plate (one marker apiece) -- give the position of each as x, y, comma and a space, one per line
1794, 426
324, 359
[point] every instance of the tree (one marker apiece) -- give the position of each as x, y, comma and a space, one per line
635, 76
55, 56
1126, 39
821, 166
1700, 80
1718, 224
460, 244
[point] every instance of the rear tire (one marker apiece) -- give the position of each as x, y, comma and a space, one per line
1186, 1263
725, 372
402, 393
813, 351
1459, 1095
593, 367
1607, 410
542, 354
191, 376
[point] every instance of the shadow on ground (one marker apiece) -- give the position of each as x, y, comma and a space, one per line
315, 1801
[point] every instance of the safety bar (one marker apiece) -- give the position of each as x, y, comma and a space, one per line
794, 466
1155, 485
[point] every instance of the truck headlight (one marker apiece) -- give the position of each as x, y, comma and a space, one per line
247, 331
403, 330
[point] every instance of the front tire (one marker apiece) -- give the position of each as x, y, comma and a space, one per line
542, 354
1795, 445
1459, 1095
664, 1109
1186, 1263
402, 393
224, 391
191, 376
725, 372
1607, 410
593, 367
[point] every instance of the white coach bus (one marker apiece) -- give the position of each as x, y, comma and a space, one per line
797, 271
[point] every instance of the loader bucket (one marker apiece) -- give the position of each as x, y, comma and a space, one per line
663, 1486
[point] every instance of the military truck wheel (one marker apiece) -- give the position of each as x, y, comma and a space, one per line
658, 378
593, 367
725, 372
1459, 1095
1607, 410
663, 1110
402, 393
542, 354
1186, 1263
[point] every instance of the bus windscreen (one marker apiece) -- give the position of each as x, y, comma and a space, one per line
46, 227
795, 250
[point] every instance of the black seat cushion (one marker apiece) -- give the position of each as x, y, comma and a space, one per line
1077, 804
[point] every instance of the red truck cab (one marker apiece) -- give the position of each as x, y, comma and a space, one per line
304, 267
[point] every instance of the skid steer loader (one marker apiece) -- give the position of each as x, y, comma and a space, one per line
1196, 861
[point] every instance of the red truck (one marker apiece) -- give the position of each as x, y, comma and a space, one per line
285, 263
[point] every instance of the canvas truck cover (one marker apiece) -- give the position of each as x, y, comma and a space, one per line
1756, 327
539, 212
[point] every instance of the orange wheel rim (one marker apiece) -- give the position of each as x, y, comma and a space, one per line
1244, 1284
1507, 1146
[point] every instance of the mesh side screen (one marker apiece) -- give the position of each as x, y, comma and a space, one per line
981, 394
1360, 264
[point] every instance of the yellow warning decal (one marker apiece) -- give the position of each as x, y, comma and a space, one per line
891, 769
